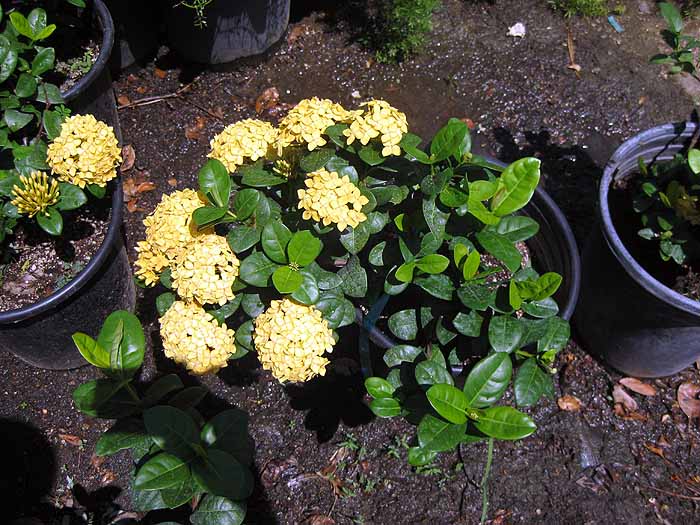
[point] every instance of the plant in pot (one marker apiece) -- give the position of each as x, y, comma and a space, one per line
56, 232
180, 460
639, 306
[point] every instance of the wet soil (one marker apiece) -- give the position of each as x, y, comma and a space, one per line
319, 451
39, 264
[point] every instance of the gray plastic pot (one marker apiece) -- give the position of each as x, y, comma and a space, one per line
234, 29
635, 323
40, 334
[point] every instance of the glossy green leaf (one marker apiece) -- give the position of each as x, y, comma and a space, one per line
545, 308
418, 456
471, 265
215, 510
241, 238
256, 269
223, 475
435, 218
122, 336
179, 494
694, 160
376, 254
439, 286
556, 336
43, 61
517, 228
275, 238
16, 120
476, 296
434, 370
505, 333
449, 141
286, 279
401, 353
228, 431
52, 222
70, 197
385, 407
449, 402
354, 239
439, 436
91, 351
378, 387
161, 388
370, 155
403, 324
501, 248
124, 434
303, 248
104, 398
433, 263
531, 382
160, 472
516, 186
316, 159
26, 85
259, 178
505, 422
468, 324
172, 430
245, 203
488, 380
49, 94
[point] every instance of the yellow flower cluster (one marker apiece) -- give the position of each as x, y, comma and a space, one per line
36, 193
308, 120
329, 198
246, 140
290, 339
169, 230
86, 152
205, 272
379, 119
192, 337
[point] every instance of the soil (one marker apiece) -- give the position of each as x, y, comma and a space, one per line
593, 465
40, 264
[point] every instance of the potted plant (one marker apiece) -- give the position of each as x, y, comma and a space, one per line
220, 31
51, 163
639, 306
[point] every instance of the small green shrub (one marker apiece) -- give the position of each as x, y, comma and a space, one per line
580, 7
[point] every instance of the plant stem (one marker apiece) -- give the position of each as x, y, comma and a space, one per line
484, 484
132, 392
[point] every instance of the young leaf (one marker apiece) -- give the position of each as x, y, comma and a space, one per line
516, 186
275, 238
505, 423
672, 16
122, 336
449, 402
286, 279
488, 380
471, 265
303, 248
433, 263
378, 387
385, 407
91, 351
215, 182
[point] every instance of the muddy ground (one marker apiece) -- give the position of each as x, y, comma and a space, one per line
588, 466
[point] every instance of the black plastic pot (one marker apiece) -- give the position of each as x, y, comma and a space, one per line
40, 334
627, 317
136, 24
234, 29
93, 93
553, 249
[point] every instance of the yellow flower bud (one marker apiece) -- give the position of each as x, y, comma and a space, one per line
35, 193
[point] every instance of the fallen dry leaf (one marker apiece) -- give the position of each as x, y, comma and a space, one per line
194, 132
621, 396
654, 449
132, 78
133, 187
268, 99
172, 182
123, 100
688, 399
128, 158
569, 403
319, 519
71, 439
160, 73
274, 469
640, 387
97, 461
108, 477
623, 413
141, 90
295, 33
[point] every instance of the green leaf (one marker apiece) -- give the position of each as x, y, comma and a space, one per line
354, 239
335, 309
471, 265
439, 436
545, 308
308, 292
468, 324
164, 301
316, 160
223, 475
215, 182
694, 160
326, 280
434, 370
122, 336
505, 423
354, 278
179, 494
275, 238
37, 20
505, 333
103, 398
435, 218
385, 407
404, 273
21, 24
160, 472
501, 248
449, 141
97, 191
162, 387
228, 431
409, 143
376, 254
453, 198
190, 397
488, 380
433, 263
91, 351
49, 94
241, 238
215, 510
401, 354
540, 289
434, 183
126, 433
556, 336
303, 248
378, 387
516, 228
516, 186
478, 210
371, 156
439, 286
449, 402
26, 85
245, 202
286, 279
670, 13
376, 221
207, 215
417, 456
16, 120
256, 269
476, 296
43, 61
70, 197
8, 65
530, 383
259, 178
172, 429
404, 325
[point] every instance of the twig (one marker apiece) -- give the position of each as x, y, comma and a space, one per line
669, 493
572, 52
485, 483
157, 98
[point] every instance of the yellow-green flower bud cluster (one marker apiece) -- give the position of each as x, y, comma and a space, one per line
193, 338
35, 193
205, 272
331, 199
290, 339
308, 120
246, 140
85, 152
379, 119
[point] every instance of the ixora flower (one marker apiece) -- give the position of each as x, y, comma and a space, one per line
169, 231
329, 198
205, 272
35, 193
379, 119
308, 120
85, 152
290, 339
193, 338
246, 140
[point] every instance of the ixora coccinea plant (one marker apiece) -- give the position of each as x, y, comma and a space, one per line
179, 458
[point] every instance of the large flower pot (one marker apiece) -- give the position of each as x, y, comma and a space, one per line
234, 29
136, 25
40, 334
635, 323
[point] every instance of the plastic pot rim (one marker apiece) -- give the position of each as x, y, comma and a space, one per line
113, 230
613, 240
